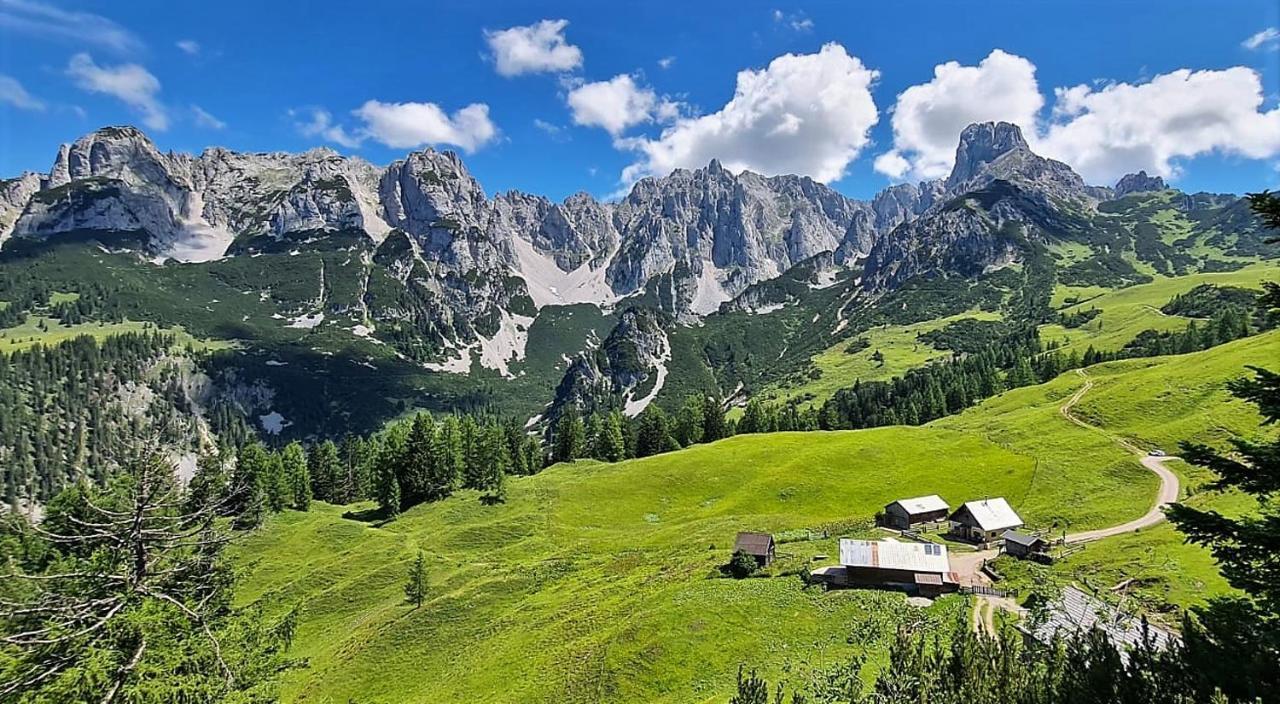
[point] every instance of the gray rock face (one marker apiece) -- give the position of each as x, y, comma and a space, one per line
698, 238
191, 208
15, 193
997, 182
904, 202
1138, 183
962, 240
997, 150
718, 233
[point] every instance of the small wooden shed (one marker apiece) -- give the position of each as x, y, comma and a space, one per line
1025, 546
757, 545
907, 513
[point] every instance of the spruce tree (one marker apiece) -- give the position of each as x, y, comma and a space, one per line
570, 437
1234, 644
753, 418
415, 588
654, 434
389, 460
688, 424
298, 475
325, 469
414, 472
713, 422
612, 446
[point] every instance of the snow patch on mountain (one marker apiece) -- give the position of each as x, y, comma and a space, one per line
549, 285
453, 365
197, 240
711, 293
507, 344
633, 407
274, 423
306, 322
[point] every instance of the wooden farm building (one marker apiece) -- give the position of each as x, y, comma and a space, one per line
908, 513
1022, 545
984, 521
916, 568
757, 545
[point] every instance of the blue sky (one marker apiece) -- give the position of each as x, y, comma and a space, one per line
612, 93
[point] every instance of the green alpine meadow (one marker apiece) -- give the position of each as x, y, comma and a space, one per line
588, 354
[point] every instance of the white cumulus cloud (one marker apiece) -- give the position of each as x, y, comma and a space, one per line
1102, 130
410, 125
130, 83
402, 125
806, 114
188, 46
1120, 128
537, 48
928, 118
617, 104
12, 93
1267, 39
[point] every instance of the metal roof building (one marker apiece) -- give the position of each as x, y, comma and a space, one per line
918, 568
892, 555
1077, 611
923, 504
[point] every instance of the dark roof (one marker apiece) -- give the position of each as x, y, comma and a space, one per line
1026, 541
753, 543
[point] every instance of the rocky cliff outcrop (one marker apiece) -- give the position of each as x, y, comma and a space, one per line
1138, 183
627, 371
709, 232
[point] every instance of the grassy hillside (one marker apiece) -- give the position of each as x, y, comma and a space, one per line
837, 366
1128, 311
598, 582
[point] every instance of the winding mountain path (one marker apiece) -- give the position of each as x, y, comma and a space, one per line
968, 566
1169, 485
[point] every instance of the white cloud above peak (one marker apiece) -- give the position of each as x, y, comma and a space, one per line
1120, 128
204, 118
319, 123
806, 114
412, 125
537, 48
1102, 130
928, 118
406, 125
130, 83
617, 104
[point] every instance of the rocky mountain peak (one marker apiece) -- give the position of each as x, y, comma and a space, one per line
119, 152
981, 144
990, 151
1137, 183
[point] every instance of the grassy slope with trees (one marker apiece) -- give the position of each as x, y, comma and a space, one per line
596, 582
